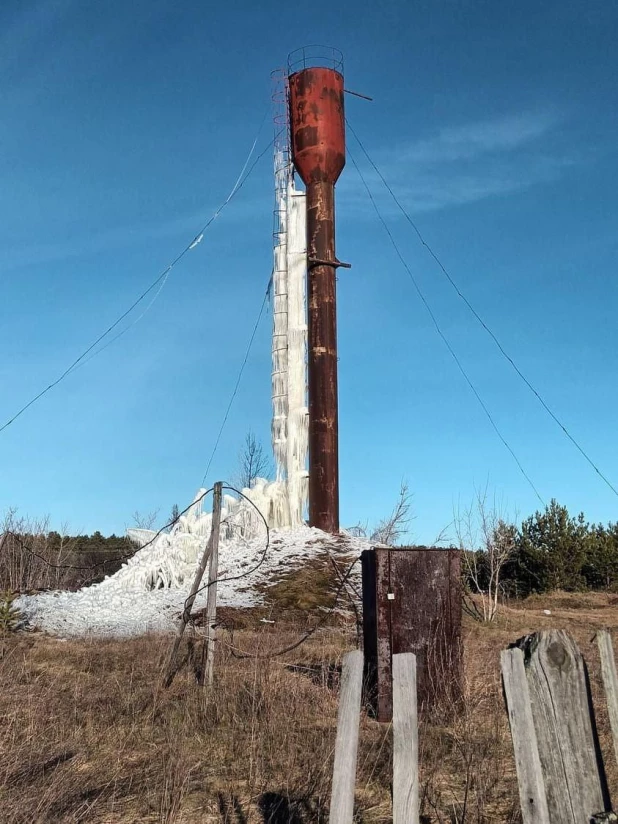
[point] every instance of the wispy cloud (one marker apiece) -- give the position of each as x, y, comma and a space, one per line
183, 228
491, 136
468, 162
85, 243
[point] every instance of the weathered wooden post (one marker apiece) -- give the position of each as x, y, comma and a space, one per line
405, 740
610, 682
186, 613
532, 798
346, 744
211, 603
557, 708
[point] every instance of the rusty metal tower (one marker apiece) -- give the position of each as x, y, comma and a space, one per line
317, 127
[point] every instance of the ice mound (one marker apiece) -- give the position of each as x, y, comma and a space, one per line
147, 594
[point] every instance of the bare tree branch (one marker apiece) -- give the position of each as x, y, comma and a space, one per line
389, 530
443, 536
146, 521
359, 530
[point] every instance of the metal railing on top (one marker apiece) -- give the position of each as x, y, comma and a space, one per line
316, 55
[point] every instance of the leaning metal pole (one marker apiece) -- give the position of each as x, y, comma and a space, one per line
318, 151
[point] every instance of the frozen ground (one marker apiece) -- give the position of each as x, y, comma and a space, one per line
147, 594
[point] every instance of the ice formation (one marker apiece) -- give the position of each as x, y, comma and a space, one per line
280, 318
289, 340
297, 476
148, 593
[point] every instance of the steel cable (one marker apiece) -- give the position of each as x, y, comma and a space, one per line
480, 320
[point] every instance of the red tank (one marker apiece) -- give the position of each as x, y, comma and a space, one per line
317, 124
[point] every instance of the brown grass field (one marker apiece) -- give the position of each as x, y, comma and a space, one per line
88, 735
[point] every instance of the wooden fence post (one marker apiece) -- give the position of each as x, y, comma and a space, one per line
575, 784
186, 613
346, 745
532, 798
405, 740
213, 572
610, 681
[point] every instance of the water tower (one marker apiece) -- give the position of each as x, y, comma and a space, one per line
317, 128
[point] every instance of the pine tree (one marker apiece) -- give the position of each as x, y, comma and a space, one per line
9, 614
552, 551
175, 514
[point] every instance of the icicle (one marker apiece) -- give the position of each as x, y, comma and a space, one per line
280, 320
297, 440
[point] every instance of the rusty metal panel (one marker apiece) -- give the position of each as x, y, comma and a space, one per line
416, 597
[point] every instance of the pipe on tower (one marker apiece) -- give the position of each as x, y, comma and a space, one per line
317, 126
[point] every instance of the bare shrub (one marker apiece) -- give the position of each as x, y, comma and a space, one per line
487, 541
30, 554
33, 558
393, 527
147, 520
467, 774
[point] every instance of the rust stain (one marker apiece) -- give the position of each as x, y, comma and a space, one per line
422, 616
317, 124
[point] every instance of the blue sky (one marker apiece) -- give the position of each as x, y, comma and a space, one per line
123, 127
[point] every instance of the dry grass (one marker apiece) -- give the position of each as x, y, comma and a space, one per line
88, 735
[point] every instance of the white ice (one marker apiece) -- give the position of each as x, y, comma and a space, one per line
290, 427
147, 594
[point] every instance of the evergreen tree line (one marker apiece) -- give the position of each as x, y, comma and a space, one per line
97, 551
553, 550
32, 559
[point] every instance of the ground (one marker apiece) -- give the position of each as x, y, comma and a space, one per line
88, 733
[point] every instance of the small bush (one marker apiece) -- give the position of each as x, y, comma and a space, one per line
10, 616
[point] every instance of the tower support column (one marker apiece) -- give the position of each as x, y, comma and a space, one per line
322, 358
